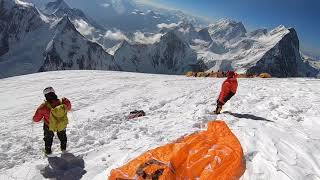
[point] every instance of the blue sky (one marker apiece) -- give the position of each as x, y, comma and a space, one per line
303, 15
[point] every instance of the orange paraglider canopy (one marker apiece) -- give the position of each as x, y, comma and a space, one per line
212, 154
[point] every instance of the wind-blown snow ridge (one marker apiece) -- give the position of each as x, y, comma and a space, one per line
23, 3
279, 136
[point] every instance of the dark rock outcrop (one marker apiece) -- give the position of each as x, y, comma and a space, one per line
70, 50
204, 35
284, 59
15, 23
172, 55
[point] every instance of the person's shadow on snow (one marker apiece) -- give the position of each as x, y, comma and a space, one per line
66, 167
248, 116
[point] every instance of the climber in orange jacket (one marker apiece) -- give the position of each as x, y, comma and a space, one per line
229, 89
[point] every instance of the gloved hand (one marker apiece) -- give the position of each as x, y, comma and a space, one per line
63, 100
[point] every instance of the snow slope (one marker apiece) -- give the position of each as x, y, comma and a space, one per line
276, 120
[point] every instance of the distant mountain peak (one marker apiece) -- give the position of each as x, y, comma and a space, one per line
186, 24
226, 21
170, 35
227, 29
279, 29
124, 43
66, 24
8, 4
52, 7
74, 42
258, 32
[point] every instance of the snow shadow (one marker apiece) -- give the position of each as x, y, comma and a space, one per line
248, 116
66, 167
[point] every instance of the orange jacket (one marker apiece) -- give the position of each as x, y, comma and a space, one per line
44, 112
229, 88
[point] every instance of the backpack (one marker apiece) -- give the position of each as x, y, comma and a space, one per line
58, 119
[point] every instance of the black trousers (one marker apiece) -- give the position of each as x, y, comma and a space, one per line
48, 138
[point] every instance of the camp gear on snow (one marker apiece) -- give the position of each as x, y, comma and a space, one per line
136, 114
58, 119
265, 75
212, 154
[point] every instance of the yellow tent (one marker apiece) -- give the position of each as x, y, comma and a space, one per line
265, 75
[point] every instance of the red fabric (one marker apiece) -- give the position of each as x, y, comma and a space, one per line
43, 112
229, 85
231, 74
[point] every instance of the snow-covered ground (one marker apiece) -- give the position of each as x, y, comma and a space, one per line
276, 120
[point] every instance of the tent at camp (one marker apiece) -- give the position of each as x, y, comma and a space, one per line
265, 75
215, 153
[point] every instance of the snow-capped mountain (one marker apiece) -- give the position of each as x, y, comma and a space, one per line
226, 30
24, 34
84, 24
68, 49
56, 43
233, 48
284, 60
64, 38
117, 13
170, 55
310, 55
53, 7
184, 30
129, 15
132, 58
257, 33
63, 47
311, 61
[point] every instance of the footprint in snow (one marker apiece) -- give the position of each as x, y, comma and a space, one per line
251, 155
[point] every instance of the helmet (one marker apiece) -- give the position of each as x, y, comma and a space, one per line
48, 90
231, 74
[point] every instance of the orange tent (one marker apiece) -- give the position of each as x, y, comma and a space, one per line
212, 154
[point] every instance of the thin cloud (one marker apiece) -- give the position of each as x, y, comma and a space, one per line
105, 5
155, 4
140, 37
83, 27
167, 26
116, 35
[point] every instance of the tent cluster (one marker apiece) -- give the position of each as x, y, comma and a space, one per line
222, 74
265, 75
215, 153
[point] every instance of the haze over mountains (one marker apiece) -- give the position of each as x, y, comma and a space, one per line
125, 35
